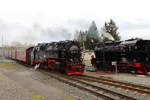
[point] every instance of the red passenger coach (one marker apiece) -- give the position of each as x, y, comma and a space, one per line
21, 54
18, 53
28, 55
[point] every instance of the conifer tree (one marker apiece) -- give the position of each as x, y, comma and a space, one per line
111, 28
92, 36
92, 31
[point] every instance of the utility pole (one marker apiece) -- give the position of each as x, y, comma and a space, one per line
2, 45
2, 48
2, 39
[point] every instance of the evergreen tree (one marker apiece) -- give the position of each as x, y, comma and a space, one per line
92, 36
92, 31
111, 28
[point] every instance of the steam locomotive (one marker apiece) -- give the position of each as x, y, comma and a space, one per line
63, 56
123, 56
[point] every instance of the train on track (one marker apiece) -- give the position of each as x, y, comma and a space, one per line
123, 56
63, 56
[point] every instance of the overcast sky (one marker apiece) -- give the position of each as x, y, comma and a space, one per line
24, 20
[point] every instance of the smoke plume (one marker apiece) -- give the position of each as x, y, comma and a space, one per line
17, 34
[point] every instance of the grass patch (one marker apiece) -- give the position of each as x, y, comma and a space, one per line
37, 97
7, 64
70, 98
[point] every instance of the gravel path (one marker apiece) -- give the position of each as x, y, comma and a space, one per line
23, 83
16, 83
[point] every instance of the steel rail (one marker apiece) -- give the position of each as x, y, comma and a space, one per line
129, 86
96, 88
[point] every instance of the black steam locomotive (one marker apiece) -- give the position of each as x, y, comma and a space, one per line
126, 56
63, 56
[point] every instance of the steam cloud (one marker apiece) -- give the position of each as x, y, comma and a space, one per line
16, 34
104, 34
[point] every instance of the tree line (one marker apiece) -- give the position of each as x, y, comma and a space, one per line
88, 38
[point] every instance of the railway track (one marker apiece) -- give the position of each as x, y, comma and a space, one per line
118, 84
85, 86
94, 90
